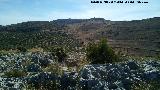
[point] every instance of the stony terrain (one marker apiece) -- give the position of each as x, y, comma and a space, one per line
115, 76
119, 76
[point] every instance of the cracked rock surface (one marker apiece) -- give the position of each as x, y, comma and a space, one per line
116, 76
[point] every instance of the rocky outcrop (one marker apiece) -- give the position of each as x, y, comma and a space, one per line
118, 76
115, 76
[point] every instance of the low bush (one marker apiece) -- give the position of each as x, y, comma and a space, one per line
59, 53
100, 53
22, 49
54, 68
15, 73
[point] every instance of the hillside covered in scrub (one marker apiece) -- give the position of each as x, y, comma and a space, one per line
137, 37
80, 54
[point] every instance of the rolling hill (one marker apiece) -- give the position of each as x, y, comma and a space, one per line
137, 37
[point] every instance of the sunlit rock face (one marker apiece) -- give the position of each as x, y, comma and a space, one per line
115, 76
118, 76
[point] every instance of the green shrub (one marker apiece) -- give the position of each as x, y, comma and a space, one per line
22, 49
151, 85
15, 73
100, 53
59, 53
54, 68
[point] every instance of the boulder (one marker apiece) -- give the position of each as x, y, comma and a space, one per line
127, 84
112, 86
45, 80
69, 80
152, 75
132, 65
33, 68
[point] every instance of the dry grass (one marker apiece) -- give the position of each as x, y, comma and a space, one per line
36, 50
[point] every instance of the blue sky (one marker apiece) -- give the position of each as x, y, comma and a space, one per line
16, 11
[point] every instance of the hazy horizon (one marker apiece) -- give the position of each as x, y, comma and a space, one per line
76, 18
18, 11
